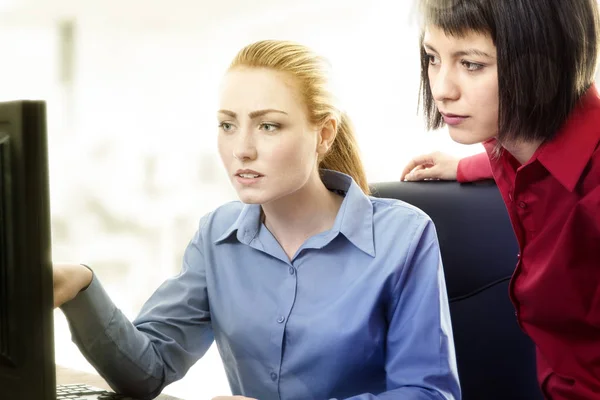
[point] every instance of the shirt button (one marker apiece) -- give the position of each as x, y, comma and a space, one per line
292, 270
510, 196
523, 205
273, 376
281, 319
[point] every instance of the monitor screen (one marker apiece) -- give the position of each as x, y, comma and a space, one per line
26, 307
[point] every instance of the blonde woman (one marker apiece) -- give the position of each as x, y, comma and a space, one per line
311, 288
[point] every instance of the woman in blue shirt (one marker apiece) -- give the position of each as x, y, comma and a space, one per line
311, 288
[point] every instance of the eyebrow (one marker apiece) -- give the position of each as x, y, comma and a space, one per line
253, 114
462, 53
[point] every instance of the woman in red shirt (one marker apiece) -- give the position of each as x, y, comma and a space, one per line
517, 76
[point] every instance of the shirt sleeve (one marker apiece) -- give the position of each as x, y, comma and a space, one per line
474, 168
421, 362
172, 331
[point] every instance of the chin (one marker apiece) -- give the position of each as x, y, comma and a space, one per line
467, 137
252, 198
255, 196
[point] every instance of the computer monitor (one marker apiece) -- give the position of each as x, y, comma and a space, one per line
26, 299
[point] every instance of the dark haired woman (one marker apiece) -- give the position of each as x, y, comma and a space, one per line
517, 76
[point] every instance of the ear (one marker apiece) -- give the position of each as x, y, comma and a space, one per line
326, 136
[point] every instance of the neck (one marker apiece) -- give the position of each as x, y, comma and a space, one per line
298, 216
522, 151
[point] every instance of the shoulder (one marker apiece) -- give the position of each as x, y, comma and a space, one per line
387, 209
588, 130
404, 237
393, 217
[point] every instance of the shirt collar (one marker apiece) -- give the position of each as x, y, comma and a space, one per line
567, 155
246, 225
354, 219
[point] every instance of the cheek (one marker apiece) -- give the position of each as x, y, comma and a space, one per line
296, 157
225, 152
288, 154
490, 99
491, 109
485, 101
431, 75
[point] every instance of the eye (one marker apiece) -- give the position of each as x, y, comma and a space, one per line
225, 126
470, 66
268, 127
433, 60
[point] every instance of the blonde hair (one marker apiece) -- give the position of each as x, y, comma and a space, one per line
311, 72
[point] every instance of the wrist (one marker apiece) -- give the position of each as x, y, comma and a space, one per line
87, 275
460, 176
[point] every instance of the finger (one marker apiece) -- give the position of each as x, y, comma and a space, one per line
424, 173
415, 162
408, 176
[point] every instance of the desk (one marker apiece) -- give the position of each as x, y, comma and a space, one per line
66, 375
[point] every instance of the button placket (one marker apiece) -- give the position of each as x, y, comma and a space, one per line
287, 298
286, 304
282, 318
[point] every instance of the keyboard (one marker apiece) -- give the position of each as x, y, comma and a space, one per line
86, 392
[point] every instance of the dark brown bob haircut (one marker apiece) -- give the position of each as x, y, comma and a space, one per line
547, 54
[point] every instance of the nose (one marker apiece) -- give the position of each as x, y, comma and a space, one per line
443, 85
245, 148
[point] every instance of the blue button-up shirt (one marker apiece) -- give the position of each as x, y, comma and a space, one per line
360, 312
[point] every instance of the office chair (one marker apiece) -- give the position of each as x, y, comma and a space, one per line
496, 360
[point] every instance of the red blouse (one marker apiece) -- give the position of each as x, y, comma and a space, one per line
554, 205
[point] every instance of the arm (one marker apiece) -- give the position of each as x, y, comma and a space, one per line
441, 166
171, 332
421, 363
474, 168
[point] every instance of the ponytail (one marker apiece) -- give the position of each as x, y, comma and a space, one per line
344, 155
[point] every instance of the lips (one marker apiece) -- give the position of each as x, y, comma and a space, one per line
449, 115
453, 119
248, 174
248, 177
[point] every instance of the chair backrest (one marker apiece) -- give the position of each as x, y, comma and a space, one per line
496, 360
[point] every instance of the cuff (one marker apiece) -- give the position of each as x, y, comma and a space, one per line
90, 312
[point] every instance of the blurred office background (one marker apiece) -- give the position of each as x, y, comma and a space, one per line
131, 88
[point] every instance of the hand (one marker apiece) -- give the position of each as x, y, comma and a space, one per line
69, 280
232, 398
431, 166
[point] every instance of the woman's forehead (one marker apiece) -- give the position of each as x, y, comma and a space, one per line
434, 36
257, 88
